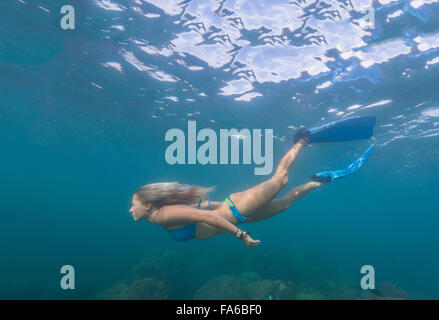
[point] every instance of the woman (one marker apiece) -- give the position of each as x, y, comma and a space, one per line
166, 204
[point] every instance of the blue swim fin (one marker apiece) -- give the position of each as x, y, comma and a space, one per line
327, 176
352, 128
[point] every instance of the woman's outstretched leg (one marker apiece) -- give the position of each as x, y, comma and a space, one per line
282, 204
254, 198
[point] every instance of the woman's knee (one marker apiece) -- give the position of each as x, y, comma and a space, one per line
281, 178
284, 204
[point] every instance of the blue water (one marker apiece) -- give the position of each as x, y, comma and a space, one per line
84, 113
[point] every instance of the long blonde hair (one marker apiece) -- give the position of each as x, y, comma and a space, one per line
171, 193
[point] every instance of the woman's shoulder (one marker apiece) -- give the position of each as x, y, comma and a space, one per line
174, 208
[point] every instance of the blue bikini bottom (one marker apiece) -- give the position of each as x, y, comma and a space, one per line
235, 211
188, 232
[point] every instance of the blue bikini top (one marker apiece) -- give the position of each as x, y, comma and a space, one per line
187, 232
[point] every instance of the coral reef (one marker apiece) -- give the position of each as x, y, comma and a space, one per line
166, 274
248, 285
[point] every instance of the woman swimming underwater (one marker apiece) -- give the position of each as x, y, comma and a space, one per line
168, 204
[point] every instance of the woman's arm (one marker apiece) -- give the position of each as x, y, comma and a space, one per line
205, 205
177, 215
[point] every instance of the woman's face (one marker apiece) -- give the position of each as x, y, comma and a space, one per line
138, 210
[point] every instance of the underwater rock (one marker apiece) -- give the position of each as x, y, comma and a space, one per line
260, 290
285, 290
143, 289
248, 285
310, 295
248, 277
221, 287
340, 287
389, 291
271, 290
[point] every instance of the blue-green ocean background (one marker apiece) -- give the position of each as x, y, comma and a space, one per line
79, 135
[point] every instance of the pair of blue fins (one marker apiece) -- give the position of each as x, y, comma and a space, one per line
347, 129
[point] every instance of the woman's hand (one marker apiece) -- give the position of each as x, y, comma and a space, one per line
249, 242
